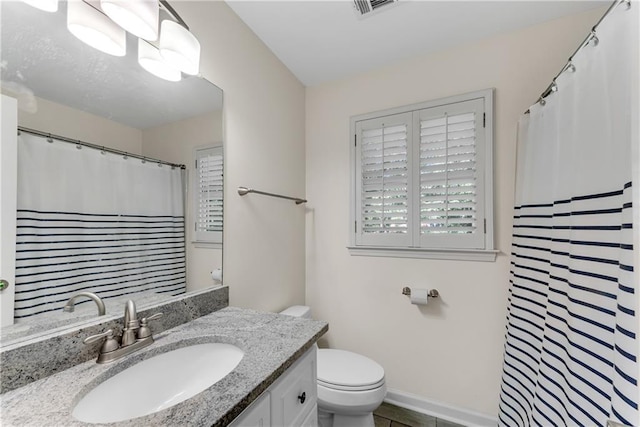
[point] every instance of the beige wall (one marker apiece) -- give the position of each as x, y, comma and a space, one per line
59, 119
175, 142
264, 263
450, 350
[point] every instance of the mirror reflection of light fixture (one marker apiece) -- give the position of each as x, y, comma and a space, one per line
150, 59
103, 27
95, 29
139, 17
179, 47
46, 5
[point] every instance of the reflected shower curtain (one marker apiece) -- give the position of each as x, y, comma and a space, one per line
571, 352
94, 221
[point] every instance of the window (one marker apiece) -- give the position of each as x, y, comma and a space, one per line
208, 194
422, 180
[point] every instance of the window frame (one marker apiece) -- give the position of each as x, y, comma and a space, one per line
359, 248
208, 239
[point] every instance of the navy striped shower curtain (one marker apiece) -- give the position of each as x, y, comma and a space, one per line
570, 355
89, 220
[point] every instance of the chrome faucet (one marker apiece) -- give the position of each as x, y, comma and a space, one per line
135, 335
69, 306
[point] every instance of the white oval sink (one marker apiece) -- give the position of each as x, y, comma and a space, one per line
158, 383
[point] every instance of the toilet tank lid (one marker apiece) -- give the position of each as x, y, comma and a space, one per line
298, 311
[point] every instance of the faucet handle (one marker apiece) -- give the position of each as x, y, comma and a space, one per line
110, 344
144, 331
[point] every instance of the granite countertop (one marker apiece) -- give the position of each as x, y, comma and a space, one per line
271, 343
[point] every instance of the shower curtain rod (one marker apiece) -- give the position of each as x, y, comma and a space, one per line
592, 36
98, 147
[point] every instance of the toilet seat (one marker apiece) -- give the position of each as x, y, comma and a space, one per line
346, 371
353, 388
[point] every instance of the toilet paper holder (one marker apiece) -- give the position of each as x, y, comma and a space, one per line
433, 293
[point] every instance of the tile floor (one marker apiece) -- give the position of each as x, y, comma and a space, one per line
388, 415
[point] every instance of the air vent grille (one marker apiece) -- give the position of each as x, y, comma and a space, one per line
367, 6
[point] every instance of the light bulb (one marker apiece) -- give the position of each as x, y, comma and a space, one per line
179, 47
95, 29
139, 17
150, 59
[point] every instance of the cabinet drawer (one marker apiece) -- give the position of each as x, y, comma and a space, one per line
294, 395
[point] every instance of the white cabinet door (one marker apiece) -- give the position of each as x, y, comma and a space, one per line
258, 414
312, 418
295, 393
8, 185
291, 401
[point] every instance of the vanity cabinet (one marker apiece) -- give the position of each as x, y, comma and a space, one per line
290, 401
276, 372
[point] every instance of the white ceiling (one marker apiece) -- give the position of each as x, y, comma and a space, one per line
320, 41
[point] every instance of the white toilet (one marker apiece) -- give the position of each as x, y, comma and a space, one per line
350, 386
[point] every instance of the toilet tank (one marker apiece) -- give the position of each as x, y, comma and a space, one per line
298, 311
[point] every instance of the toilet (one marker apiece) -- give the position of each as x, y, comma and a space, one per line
350, 386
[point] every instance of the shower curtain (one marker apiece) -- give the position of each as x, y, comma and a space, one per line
89, 220
570, 356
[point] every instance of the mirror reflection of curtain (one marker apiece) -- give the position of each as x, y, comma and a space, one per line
94, 221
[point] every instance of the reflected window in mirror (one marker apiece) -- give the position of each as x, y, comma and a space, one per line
208, 194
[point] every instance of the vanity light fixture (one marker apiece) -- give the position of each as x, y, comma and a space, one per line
150, 59
179, 47
139, 17
95, 29
102, 24
46, 5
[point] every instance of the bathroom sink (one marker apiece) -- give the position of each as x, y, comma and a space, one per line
158, 383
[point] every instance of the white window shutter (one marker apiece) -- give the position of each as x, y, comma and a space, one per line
422, 180
384, 181
209, 194
451, 175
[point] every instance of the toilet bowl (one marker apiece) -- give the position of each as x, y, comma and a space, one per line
350, 386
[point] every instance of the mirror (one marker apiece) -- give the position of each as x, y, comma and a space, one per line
67, 88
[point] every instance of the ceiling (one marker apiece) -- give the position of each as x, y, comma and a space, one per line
318, 41
321, 41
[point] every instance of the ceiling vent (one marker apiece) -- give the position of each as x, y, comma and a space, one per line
364, 7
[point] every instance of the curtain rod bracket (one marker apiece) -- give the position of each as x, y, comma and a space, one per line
590, 38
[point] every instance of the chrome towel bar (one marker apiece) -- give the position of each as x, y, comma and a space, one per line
244, 190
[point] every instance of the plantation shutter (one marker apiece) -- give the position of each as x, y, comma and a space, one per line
422, 180
208, 197
451, 175
384, 181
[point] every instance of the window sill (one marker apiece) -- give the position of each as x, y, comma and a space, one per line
206, 245
444, 254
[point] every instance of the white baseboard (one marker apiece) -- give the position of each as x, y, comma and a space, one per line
439, 409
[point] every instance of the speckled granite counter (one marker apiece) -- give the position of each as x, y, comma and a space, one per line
271, 343
25, 361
